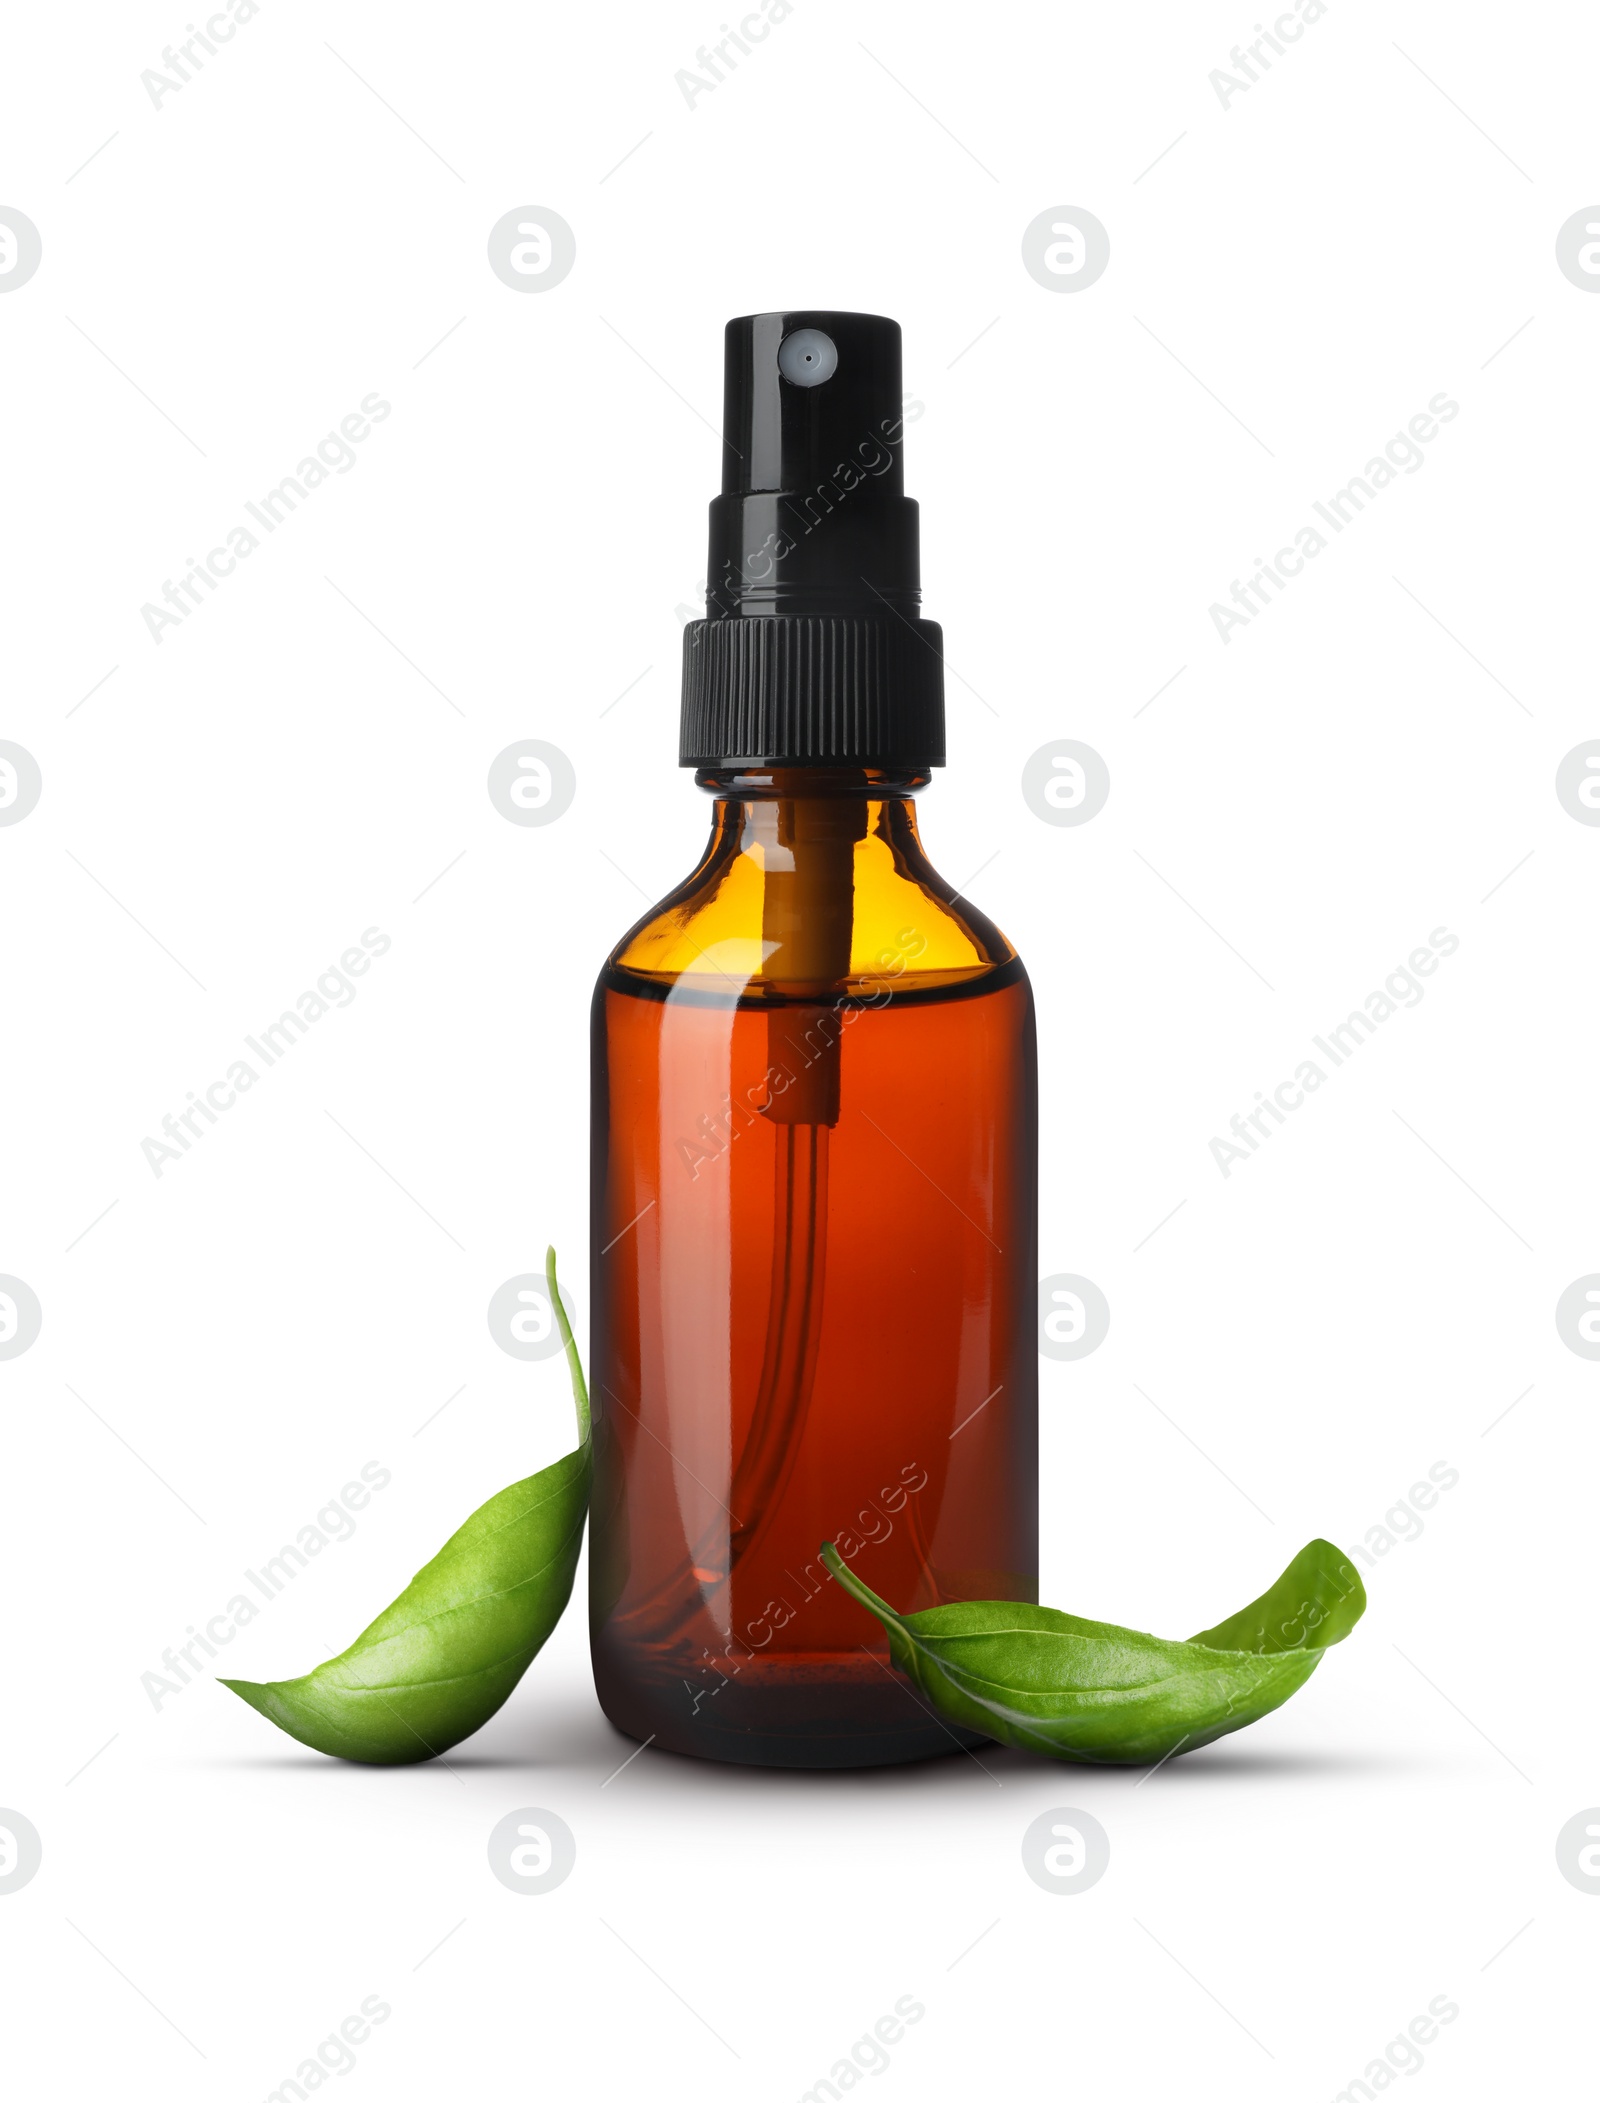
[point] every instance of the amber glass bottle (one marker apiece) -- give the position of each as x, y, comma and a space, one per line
814, 1113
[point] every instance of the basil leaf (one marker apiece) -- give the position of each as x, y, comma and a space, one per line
436, 1665
1089, 1691
1317, 1601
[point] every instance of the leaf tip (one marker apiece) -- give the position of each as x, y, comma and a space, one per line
255, 1692
1352, 1602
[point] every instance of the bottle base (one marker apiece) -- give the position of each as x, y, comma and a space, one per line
822, 1715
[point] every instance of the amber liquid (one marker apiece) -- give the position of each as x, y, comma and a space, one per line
807, 1330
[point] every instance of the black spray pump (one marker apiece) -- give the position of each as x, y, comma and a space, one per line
813, 652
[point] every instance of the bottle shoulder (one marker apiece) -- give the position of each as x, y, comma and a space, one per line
906, 925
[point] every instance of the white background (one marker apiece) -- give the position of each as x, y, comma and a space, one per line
1372, 223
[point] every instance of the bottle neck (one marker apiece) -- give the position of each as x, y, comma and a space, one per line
804, 825
798, 814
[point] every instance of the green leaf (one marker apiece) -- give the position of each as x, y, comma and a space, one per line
1089, 1691
436, 1665
1316, 1602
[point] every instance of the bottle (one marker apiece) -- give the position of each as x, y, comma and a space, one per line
814, 1193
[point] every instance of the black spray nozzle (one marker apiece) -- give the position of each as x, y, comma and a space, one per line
813, 517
